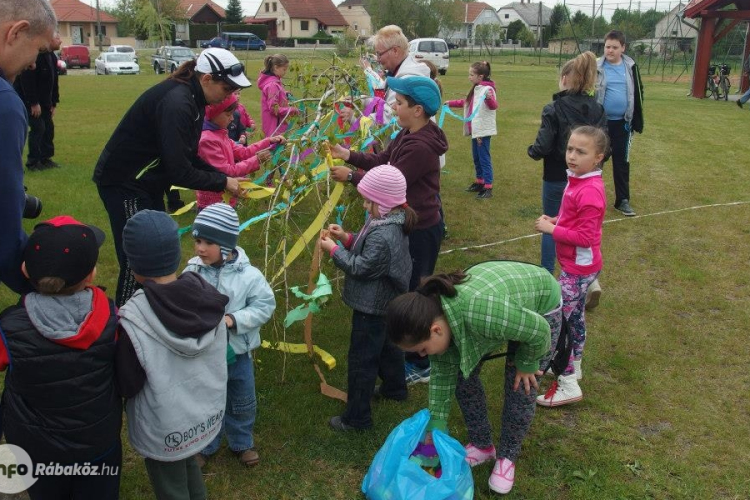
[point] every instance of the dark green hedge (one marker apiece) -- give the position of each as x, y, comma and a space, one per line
202, 32
258, 29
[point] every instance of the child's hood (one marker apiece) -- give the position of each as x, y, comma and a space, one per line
265, 80
487, 83
188, 311
578, 108
75, 320
432, 135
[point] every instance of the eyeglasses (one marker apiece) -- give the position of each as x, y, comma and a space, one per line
381, 54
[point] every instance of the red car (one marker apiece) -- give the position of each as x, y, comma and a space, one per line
76, 55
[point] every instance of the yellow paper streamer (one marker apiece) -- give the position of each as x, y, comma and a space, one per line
184, 209
325, 357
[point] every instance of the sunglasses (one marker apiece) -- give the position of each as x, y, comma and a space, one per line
218, 69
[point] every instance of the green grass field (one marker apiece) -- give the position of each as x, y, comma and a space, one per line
665, 413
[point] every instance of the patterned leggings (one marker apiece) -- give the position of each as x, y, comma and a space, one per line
518, 408
574, 288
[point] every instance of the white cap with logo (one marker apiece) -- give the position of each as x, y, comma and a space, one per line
222, 63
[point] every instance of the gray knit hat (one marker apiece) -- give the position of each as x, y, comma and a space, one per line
152, 244
218, 223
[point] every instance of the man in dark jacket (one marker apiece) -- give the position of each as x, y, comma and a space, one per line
39, 90
26, 27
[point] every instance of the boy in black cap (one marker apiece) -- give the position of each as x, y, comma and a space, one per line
60, 403
171, 361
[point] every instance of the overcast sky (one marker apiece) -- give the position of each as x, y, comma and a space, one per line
249, 7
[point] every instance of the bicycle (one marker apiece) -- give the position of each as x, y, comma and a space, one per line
718, 83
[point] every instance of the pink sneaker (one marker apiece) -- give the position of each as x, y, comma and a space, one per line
476, 456
503, 474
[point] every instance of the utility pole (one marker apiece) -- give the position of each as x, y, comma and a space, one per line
593, 16
98, 26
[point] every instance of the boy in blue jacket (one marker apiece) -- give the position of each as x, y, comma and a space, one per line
251, 304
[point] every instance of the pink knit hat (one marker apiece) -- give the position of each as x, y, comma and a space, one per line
214, 110
385, 186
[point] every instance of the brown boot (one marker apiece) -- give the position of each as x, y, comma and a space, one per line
249, 457
201, 460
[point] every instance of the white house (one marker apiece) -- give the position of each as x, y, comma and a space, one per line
355, 13
671, 26
529, 13
473, 15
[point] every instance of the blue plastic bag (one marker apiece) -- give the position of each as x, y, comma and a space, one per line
392, 476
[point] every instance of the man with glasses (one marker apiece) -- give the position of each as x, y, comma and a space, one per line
155, 146
392, 51
26, 29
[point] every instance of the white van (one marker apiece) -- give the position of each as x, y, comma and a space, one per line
434, 50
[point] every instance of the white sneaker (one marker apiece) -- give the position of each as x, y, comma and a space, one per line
564, 391
503, 475
593, 294
578, 369
476, 456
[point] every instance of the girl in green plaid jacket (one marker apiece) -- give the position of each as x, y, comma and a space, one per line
457, 319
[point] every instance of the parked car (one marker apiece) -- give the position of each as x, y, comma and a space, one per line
124, 49
434, 50
236, 41
169, 58
114, 63
76, 55
62, 68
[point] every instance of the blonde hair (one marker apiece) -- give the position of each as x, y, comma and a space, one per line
580, 73
390, 36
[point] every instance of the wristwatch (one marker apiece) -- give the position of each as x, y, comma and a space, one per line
350, 175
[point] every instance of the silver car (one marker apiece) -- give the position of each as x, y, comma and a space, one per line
114, 63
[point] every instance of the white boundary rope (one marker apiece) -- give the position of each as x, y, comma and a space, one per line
665, 212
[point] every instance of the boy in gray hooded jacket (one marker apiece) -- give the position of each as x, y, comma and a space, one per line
171, 360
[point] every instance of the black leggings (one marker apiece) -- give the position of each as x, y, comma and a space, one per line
121, 204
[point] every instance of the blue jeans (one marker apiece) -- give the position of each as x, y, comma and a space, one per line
371, 354
482, 159
552, 193
744, 97
239, 417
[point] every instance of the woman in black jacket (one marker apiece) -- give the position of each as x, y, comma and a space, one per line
574, 105
155, 146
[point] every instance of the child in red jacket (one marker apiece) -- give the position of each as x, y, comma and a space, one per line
226, 156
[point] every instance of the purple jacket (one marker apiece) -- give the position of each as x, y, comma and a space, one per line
273, 94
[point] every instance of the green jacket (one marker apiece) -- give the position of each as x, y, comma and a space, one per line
500, 301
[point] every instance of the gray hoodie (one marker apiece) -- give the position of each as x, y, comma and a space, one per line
179, 410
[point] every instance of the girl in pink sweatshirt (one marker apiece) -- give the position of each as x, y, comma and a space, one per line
226, 156
274, 103
577, 232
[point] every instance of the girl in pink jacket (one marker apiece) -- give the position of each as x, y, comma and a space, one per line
274, 103
226, 156
577, 232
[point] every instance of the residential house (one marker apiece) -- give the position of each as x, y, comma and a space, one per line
299, 18
77, 24
572, 46
672, 34
528, 13
198, 12
473, 14
355, 13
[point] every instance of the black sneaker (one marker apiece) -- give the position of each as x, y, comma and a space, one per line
48, 163
484, 193
624, 207
475, 187
36, 167
739, 103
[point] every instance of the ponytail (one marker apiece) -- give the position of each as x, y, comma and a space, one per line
580, 73
408, 317
481, 68
411, 218
274, 60
185, 72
